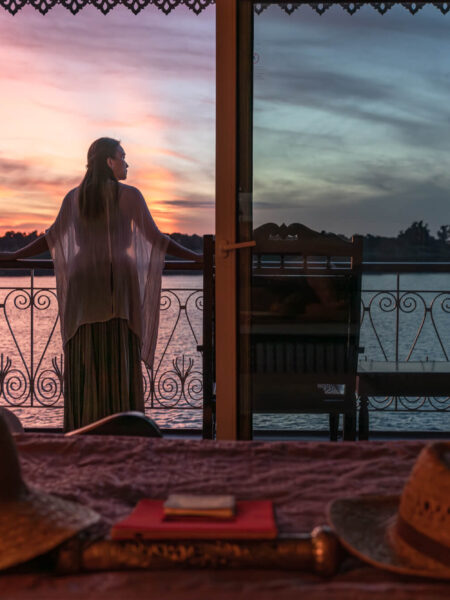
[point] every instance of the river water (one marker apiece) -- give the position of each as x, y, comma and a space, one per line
30, 345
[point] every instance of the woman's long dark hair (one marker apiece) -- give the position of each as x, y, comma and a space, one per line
95, 187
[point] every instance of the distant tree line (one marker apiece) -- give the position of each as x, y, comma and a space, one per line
193, 242
13, 240
414, 243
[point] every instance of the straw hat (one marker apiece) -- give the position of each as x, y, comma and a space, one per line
32, 522
408, 534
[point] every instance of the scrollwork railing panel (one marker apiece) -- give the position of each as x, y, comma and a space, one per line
31, 358
397, 324
406, 325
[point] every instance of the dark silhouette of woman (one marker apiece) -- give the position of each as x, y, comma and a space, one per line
108, 257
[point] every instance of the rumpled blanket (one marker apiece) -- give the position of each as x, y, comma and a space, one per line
111, 474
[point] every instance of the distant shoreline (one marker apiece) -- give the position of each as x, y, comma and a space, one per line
189, 272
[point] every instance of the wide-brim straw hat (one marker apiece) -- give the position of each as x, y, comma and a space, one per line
32, 522
407, 534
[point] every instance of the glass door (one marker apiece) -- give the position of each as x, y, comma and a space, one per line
342, 132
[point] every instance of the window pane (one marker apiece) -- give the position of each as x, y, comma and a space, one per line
65, 80
351, 119
351, 136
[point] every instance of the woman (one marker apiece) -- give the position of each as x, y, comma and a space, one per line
108, 255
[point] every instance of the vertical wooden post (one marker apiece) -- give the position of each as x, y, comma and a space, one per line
245, 212
208, 342
226, 188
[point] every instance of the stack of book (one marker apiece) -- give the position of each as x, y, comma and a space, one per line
187, 516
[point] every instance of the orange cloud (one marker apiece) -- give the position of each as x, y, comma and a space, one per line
173, 154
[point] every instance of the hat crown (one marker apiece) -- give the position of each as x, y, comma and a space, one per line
12, 486
425, 500
407, 534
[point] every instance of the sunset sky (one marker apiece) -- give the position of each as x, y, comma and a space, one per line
351, 119
147, 80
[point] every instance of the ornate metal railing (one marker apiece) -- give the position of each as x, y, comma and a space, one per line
407, 323
31, 359
176, 380
399, 322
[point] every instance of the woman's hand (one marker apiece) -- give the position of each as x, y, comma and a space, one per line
34, 248
176, 249
7, 256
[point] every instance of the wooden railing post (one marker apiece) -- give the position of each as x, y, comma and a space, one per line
208, 342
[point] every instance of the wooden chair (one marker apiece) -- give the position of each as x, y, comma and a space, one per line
126, 423
304, 323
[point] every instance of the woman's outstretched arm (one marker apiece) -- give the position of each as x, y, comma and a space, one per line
175, 249
37, 247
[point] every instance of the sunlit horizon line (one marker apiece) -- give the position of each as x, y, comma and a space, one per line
29, 228
158, 186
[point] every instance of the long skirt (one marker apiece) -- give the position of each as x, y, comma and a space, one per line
102, 373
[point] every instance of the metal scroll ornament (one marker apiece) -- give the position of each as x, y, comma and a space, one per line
351, 7
417, 322
176, 380
197, 6
31, 361
105, 6
33, 378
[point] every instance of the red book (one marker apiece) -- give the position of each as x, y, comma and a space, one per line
253, 520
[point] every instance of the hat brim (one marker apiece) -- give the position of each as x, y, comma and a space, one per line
38, 523
363, 526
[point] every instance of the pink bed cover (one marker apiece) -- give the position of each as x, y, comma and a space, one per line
112, 474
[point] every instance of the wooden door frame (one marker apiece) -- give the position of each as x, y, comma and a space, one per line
226, 196
234, 84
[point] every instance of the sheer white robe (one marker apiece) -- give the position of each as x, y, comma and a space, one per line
110, 267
